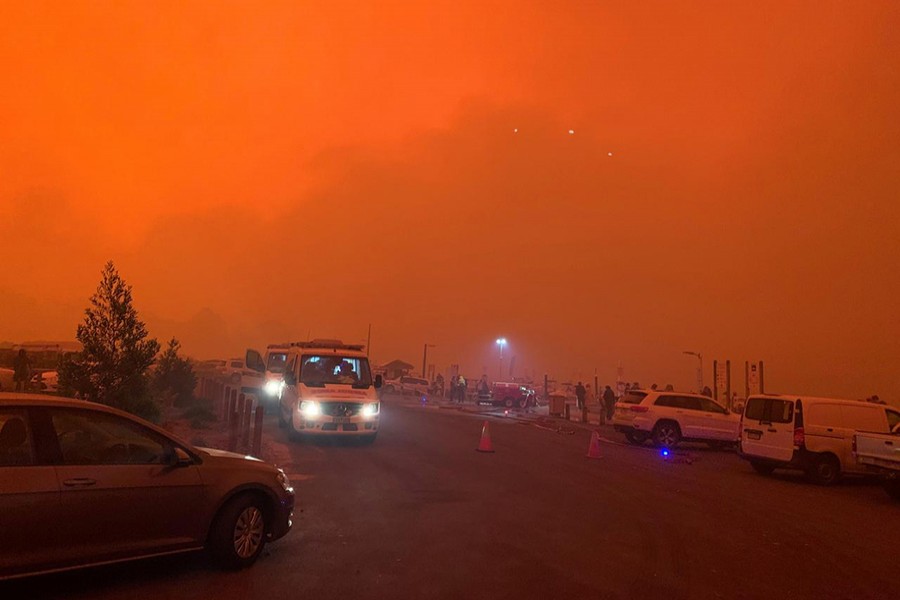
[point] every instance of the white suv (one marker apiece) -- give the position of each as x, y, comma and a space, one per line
671, 417
407, 384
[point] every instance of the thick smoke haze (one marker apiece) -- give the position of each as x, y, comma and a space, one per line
264, 174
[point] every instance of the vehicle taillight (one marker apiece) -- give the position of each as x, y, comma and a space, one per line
799, 436
639, 408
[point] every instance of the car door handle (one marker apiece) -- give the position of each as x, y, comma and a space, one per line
79, 482
772, 430
888, 443
829, 430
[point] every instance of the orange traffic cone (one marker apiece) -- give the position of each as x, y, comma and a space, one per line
485, 444
594, 447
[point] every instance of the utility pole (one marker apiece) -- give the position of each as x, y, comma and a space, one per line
425, 359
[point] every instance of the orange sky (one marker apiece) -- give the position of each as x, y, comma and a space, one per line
259, 171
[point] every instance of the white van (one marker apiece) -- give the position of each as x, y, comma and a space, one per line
328, 390
814, 435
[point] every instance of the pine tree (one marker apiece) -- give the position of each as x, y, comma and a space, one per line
113, 365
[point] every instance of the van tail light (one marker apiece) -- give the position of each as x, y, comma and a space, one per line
799, 436
639, 409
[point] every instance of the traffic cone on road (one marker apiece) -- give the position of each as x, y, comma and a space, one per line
485, 444
594, 447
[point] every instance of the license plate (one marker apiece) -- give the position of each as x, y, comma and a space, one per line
341, 420
753, 435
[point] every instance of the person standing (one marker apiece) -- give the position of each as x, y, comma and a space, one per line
609, 402
21, 370
579, 395
461, 388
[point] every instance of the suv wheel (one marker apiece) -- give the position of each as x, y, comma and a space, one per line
666, 434
825, 469
509, 402
238, 533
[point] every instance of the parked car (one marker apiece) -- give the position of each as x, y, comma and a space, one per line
814, 435
84, 484
668, 418
235, 370
45, 381
407, 384
880, 453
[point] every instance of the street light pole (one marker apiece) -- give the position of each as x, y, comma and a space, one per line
425, 359
501, 342
699, 369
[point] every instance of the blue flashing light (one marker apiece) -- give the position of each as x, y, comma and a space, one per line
665, 452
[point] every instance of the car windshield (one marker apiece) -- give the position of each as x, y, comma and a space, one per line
276, 362
334, 369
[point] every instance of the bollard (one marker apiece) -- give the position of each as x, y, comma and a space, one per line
568, 410
223, 408
245, 422
234, 394
584, 414
232, 424
257, 430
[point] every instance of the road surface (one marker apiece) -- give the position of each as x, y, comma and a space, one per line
421, 514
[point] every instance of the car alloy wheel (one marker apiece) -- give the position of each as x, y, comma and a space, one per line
249, 530
666, 435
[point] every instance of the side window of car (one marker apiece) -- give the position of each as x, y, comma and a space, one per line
668, 401
893, 420
88, 437
16, 448
689, 403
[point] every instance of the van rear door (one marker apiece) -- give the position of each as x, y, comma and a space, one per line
768, 428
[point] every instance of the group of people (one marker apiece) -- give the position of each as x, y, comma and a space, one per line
607, 399
458, 388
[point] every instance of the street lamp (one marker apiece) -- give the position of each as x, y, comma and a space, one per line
699, 369
501, 342
425, 358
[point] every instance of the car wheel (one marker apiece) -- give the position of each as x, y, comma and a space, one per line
635, 438
238, 534
824, 470
762, 468
509, 402
891, 485
666, 434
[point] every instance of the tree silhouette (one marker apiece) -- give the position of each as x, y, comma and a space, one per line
112, 367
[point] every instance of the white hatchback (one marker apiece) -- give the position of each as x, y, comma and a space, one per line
671, 417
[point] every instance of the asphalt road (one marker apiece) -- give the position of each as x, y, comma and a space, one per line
420, 514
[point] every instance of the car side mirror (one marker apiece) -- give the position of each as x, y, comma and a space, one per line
179, 458
289, 378
379, 381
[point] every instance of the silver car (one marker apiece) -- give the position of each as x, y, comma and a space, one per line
83, 484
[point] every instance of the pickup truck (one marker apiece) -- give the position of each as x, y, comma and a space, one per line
880, 452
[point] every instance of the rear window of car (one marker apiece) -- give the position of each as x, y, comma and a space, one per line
772, 410
633, 397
